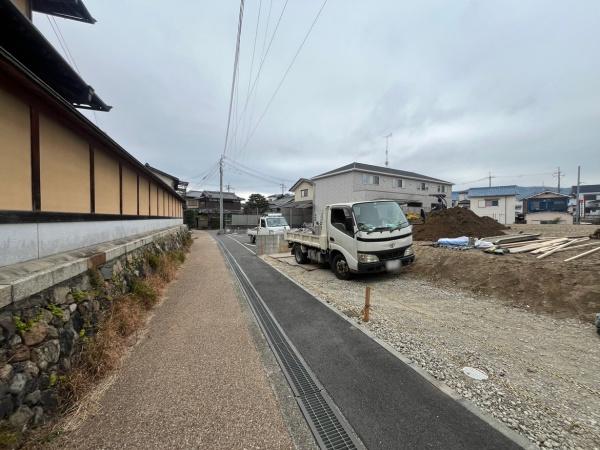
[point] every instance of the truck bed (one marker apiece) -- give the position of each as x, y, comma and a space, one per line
308, 239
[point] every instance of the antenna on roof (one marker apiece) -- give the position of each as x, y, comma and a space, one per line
387, 138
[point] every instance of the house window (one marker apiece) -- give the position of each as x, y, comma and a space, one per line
370, 179
489, 202
399, 183
304, 193
422, 187
441, 188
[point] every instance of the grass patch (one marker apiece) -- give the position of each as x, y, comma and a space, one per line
55, 310
154, 261
144, 292
96, 280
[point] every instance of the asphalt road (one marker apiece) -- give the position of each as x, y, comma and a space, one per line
388, 404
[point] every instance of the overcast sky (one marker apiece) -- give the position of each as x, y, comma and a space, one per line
464, 86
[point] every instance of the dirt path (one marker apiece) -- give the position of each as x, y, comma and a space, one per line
196, 380
544, 373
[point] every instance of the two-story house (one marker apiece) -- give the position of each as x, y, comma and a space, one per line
360, 182
206, 203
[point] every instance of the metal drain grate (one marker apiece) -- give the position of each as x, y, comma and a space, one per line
330, 428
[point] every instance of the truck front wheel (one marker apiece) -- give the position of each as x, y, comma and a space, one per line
340, 267
301, 257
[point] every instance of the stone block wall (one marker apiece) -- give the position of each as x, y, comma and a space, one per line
40, 334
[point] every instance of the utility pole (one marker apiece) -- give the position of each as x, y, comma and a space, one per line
387, 138
558, 174
577, 207
282, 188
229, 187
221, 195
490, 179
231, 94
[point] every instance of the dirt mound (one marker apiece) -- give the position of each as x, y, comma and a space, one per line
456, 222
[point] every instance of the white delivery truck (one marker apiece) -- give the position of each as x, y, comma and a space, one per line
272, 223
357, 237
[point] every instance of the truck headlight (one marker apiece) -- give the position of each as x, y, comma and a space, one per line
409, 251
366, 258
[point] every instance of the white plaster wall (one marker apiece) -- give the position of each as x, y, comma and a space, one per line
503, 213
18, 242
23, 242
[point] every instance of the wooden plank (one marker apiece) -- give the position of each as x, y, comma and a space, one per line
36, 192
581, 255
515, 238
555, 249
537, 245
578, 246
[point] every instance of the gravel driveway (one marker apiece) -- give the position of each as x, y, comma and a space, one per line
544, 373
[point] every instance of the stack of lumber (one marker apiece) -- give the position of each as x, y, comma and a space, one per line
544, 247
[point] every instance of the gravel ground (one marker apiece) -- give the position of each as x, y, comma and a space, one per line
544, 373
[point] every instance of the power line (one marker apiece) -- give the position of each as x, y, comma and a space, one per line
287, 71
234, 77
61, 41
263, 59
254, 170
255, 173
242, 116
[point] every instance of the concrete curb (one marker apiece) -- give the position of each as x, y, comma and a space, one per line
55, 269
470, 406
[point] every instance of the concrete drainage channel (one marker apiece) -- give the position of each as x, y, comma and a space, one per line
330, 429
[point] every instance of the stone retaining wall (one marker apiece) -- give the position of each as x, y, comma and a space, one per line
40, 333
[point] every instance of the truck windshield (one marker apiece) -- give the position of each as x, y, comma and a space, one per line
276, 222
379, 216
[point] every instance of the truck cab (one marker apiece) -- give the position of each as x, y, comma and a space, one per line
272, 223
358, 237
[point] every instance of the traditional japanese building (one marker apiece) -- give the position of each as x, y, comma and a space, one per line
64, 183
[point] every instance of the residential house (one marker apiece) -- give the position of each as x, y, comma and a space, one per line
461, 199
497, 202
64, 183
300, 211
359, 182
589, 202
505, 203
547, 207
207, 205
279, 201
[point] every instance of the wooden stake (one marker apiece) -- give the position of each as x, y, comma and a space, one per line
367, 304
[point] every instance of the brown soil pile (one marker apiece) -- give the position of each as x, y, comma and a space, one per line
456, 222
548, 285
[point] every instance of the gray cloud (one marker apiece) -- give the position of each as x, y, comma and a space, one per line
465, 87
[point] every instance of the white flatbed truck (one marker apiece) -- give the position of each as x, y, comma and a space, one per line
272, 223
358, 237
